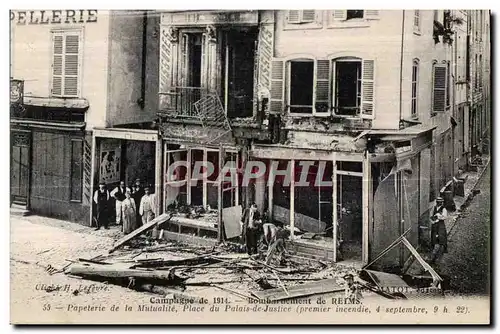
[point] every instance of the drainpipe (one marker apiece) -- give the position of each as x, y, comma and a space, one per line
142, 98
401, 70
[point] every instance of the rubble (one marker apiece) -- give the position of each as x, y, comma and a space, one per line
139, 262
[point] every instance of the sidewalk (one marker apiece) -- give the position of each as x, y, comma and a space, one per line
472, 179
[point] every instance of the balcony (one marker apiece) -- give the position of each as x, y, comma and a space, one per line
180, 102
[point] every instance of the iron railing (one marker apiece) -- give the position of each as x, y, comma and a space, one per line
181, 100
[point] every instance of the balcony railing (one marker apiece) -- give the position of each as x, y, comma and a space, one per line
180, 101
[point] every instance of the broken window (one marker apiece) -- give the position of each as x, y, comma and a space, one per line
354, 14
348, 87
231, 181
175, 176
301, 81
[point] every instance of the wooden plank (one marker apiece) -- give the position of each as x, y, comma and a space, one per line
113, 271
158, 220
69, 103
302, 290
303, 222
231, 218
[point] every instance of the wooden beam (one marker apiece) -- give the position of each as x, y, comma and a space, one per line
366, 212
334, 209
219, 195
158, 220
270, 190
92, 178
158, 176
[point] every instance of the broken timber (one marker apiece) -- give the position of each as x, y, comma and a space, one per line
120, 272
302, 290
158, 220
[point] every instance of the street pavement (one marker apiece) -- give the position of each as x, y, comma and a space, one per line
467, 262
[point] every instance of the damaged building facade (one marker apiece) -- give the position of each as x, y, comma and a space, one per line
381, 105
366, 97
75, 75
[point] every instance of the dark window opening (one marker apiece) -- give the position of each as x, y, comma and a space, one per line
194, 52
354, 14
348, 87
301, 86
240, 55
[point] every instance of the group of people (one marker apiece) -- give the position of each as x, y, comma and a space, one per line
134, 205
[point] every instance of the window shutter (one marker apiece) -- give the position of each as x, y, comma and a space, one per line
339, 15
184, 60
276, 104
322, 86
72, 43
367, 88
439, 88
371, 14
57, 65
293, 16
308, 15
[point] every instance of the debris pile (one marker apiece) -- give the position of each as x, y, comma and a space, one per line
138, 262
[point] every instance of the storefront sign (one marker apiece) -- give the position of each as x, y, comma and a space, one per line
204, 18
53, 16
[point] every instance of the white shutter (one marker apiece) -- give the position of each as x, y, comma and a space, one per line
439, 88
308, 15
339, 15
322, 93
277, 104
293, 16
66, 63
71, 62
367, 88
371, 14
57, 64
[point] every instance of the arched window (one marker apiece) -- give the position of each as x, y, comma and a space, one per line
414, 88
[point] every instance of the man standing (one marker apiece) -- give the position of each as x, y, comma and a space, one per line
137, 193
249, 222
147, 207
101, 199
439, 237
119, 194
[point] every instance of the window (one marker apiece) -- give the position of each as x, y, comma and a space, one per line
356, 17
66, 63
439, 87
191, 59
414, 89
344, 86
301, 86
416, 20
76, 169
354, 14
353, 87
347, 87
301, 16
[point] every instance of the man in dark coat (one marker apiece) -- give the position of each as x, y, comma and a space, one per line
101, 199
137, 193
439, 236
250, 226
